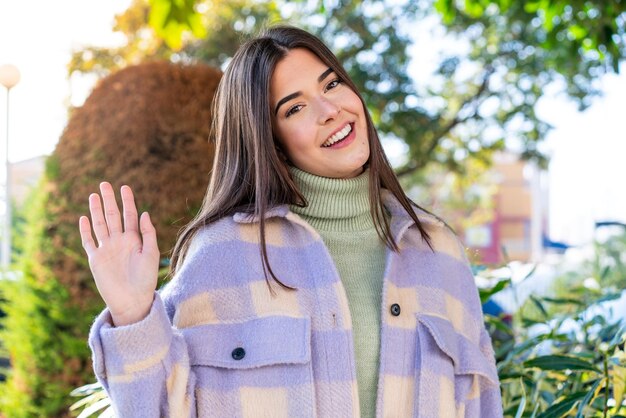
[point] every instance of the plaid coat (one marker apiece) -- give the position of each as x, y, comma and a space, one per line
218, 343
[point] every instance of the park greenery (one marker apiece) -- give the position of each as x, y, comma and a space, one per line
564, 354
144, 125
494, 61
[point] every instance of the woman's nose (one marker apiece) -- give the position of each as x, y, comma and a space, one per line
328, 110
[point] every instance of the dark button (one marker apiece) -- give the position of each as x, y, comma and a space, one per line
395, 309
238, 353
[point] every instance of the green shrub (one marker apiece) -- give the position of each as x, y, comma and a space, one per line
146, 126
566, 356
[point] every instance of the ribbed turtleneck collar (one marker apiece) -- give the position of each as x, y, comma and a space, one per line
334, 204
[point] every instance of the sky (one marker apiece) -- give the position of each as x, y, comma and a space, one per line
588, 149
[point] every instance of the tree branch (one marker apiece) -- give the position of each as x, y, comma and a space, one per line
456, 120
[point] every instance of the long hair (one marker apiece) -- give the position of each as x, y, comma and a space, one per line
248, 173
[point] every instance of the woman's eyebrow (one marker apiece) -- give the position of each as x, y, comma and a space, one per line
324, 75
296, 94
286, 99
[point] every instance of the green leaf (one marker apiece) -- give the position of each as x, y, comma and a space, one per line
588, 398
578, 32
539, 305
618, 377
605, 272
446, 9
505, 348
532, 6
528, 322
610, 296
107, 413
86, 389
170, 20
92, 409
473, 8
504, 5
88, 400
485, 294
531, 343
522, 403
499, 324
534, 414
560, 409
530, 273
563, 301
560, 362
619, 337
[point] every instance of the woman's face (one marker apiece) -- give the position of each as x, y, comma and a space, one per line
319, 122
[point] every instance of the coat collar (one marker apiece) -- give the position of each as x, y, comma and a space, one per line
400, 220
279, 211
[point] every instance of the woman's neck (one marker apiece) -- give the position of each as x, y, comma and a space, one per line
334, 204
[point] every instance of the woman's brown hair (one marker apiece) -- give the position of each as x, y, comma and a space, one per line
248, 173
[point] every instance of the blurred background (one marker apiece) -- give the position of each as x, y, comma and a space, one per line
505, 118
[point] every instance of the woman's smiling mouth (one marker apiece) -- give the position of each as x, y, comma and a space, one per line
339, 137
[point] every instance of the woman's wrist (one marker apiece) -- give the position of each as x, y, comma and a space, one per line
133, 315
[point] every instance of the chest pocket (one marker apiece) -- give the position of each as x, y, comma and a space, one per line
454, 378
257, 367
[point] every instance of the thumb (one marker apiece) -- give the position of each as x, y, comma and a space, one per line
148, 234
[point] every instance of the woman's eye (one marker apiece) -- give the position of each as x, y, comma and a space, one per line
334, 83
292, 110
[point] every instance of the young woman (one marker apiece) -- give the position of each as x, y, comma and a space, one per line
307, 285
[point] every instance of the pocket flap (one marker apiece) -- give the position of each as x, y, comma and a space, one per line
254, 343
465, 354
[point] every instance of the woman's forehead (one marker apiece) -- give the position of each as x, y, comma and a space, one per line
298, 66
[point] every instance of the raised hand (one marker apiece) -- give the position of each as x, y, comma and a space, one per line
124, 262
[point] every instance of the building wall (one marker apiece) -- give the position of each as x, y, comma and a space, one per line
517, 221
24, 176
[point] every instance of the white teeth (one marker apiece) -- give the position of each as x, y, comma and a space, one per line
338, 136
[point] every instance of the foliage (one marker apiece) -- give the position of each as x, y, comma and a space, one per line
36, 303
146, 126
566, 355
525, 49
553, 369
94, 400
171, 19
609, 261
225, 24
580, 29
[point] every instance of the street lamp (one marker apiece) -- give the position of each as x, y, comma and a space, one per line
9, 77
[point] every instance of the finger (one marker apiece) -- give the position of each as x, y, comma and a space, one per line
129, 208
97, 217
85, 234
111, 211
148, 234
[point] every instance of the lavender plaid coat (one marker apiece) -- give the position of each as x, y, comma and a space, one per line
217, 343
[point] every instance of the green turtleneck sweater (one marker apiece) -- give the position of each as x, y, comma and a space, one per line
339, 210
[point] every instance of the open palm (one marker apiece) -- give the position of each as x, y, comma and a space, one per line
125, 261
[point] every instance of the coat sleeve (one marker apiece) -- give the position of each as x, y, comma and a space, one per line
144, 367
